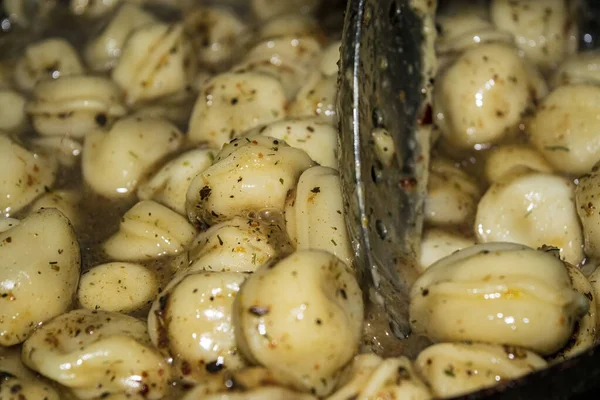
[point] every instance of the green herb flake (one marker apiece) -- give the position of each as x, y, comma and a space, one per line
450, 371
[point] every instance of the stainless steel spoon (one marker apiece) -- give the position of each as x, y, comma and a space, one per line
386, 66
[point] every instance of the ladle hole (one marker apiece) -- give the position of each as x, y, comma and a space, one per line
394, 13
376, 172
381, 229
377, 117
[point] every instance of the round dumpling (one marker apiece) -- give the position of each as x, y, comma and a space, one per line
107, 353
23, 177
515, 296
114, 162
453, 369
191, 321
281, 328
485, 107
39, 271
248, 175
229, 104
562, 130
117, 286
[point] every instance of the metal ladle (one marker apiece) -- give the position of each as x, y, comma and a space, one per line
386, 69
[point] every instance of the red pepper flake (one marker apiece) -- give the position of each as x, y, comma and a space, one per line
408, 183
427, 117
186, 368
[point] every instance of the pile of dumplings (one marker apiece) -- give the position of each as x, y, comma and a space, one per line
173, 224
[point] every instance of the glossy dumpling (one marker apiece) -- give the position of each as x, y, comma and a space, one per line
75, 105
65, 150
583, 67
585, 333
303, 50
452, 369
149, 230
108, 353
48, 59
534, 209
370, 377
236, 245
65, 201
330, 59
316, 98
176, 108
587, 194
216, 33
355, 376
313, 135
169, 185
118, 286
289, 59
19, 383
230, 104
114, 162
515, 295
248, 175
437, 243
103, 51
23, 177
314, 214
545, 31
39, 271
452, 195
157, 61
280, 328
484, 108
461, 30
255, 383
563, 132
191, 321
502, 159
6, 223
